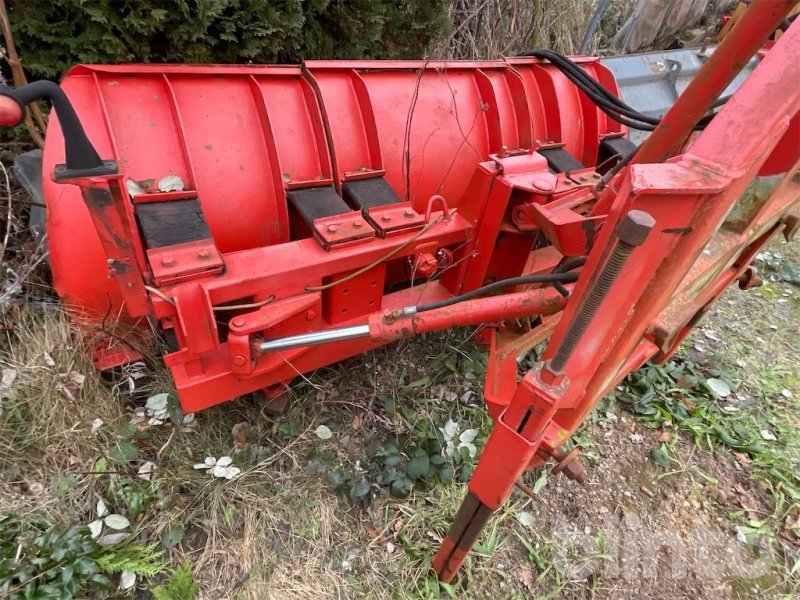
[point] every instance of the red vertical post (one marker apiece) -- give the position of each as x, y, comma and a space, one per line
745, 39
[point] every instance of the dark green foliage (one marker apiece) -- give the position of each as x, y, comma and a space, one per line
47, 563
398, 469
52, 36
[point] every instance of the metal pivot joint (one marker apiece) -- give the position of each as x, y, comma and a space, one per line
631, 232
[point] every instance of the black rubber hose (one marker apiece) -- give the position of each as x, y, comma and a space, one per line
565, 64
616, 112
79, 151
568, 66
568, 265
503, 283
606, 101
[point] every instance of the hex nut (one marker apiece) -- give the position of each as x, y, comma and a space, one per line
634, 228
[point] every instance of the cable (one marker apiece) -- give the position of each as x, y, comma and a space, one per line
614, 104
605, 100
503, 283
568, 265
166, 298
611, 105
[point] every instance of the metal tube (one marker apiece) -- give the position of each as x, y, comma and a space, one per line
598, 15
315, 338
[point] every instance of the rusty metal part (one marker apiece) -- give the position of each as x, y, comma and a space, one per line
527, 490
570, 465
791, 224
633, 230
750, 279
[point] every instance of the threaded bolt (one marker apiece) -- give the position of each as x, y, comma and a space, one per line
631, 232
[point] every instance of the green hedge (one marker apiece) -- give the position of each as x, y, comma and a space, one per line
53, 35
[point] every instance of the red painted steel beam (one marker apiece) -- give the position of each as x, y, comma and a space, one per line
745, 39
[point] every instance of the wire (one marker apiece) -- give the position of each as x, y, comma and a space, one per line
160, 294
171, 300
384, 258
317, 288
503, 283
243, 306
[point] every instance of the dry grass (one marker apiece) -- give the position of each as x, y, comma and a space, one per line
488, 29
45, 431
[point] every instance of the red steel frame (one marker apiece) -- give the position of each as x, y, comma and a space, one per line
659, 239
689, 258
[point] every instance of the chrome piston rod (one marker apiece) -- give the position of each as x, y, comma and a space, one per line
315, 338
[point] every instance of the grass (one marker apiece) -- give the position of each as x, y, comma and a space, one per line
287, 527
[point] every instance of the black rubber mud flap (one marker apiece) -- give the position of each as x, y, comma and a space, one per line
315, 203
364, 194
172, 222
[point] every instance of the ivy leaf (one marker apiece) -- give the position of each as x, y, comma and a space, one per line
661, 457
718, 387
393, 460
468, 436
418, 466
111, 539
359, 490
526, 519
124, 452
446, 474
95, 527
401, 487
335, 478
100, 581
172, 535
127, 580
472, 451
449, 430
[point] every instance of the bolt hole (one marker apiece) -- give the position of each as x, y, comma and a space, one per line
371, 302
374, 283
344, 310
345, 291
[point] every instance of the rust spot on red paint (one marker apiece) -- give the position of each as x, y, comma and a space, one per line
678, 230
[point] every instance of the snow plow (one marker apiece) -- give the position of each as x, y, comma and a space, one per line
261, 222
